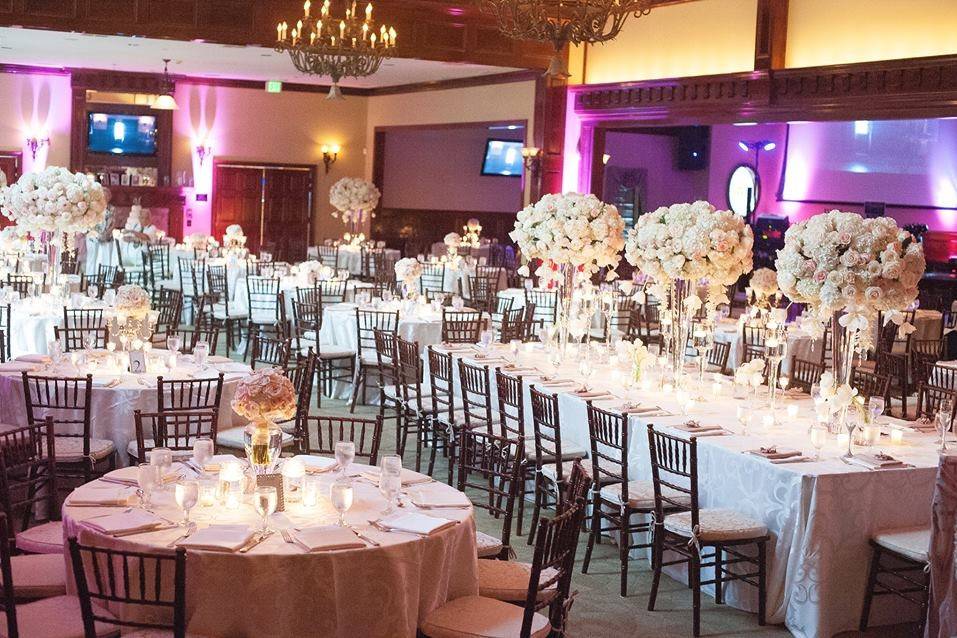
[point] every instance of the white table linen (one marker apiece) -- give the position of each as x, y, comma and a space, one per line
112, 409
276, 589
350, 258
32, 322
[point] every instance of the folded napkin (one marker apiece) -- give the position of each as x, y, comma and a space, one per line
35, 358
415, 523
215, 463
591, 394
640, 409
775, 453
454, 347
129, 474
124, 522
228, 538
327, 537
18, 366
557, 381
317, 464
105, 382
694, 426
879, 461
100, 495
438, 500
408, 476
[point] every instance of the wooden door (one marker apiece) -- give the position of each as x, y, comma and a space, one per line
237, 199
287, 211
11, 163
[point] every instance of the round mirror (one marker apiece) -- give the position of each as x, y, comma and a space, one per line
743, 190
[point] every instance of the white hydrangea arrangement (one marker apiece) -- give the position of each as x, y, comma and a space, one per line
764, 282
132, 302
570, 229
408, 270
55, 201
353, 197
14, 239
452, 240
692, 242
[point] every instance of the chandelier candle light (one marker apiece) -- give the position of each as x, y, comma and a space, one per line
350, 46
132, 319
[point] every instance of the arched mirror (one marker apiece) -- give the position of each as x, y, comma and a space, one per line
743, 190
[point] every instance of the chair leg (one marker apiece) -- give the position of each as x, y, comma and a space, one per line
869, 592
624, 540
595, 531
762, 582
695, 564
718, 593
537, 507
657, 555
358, 380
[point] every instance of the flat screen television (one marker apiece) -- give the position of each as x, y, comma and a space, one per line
121, 134
502, 158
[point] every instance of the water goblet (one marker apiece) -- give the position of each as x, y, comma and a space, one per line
943, 423
187, 493
341, 494
485, 339
819, 434
174, 343
390, 480
162, 458
202, 452
265, 500
147, 477
875, 406
783, 382
89, 341
345, 454
93, 291
201, 354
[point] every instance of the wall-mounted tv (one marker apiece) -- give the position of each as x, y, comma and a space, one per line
121, 134
502, 158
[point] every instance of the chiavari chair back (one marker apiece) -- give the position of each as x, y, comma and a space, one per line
5, 331
924, 354
501, 305
21, 284
135, 580
384, 268
28, 475
175, 431
442, 385
333, 290
321, 433
511, 406
719, 355
169, 305
192, 277
159, 263
939, 386
548, 430
462, 326
482, 291
805, 374
68, 400
545, 303
328, 255
476, 396
432, 279
265, 300
77, 324
204, 332
302, 375
270, 352
513, 325
184, 395
308, 294
307, 320
869, 384
753, 339
367, 322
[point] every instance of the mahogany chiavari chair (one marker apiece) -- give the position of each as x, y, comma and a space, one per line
501, 305
925, 353
503, 595
184, 395
869, 384
511, 416
217, 282
482, 291
302, 375
383, 267
267, 308
462, 326
512, 325
269, 352
687, 530
413, 399
619, 498
752, 339
718, 357
306, 318
175, 431
137, 581
159, 263
28, 494
551, 474
332, 290
21, 284
432, 279
387, 378
939, 386
321, 433
169, 305
5, 330
77, 324
489, 467
545, 303
446, 418
334, 363
476, 395
328, 255
69, 401
644, 324
366, 362
192, 281
893, 362
805, 374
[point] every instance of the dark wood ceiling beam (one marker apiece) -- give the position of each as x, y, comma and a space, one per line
771, 35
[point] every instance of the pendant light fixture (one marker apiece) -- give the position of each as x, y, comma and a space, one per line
164, 101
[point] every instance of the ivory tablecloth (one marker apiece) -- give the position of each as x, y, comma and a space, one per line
942, 612
278, 590
112, 409
32, 322
350, 258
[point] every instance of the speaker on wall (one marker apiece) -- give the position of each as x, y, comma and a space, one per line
874, 209
692, 148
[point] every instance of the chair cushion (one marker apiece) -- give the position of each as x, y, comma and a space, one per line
641, 494
58, 617
69, 449
508, 580
909, 542
329, 351
487, 546
46, 538
480, 617
570, 452
233, 438
716, 525
219, 312
38, 575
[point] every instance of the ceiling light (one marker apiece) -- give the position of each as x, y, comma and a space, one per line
165, 100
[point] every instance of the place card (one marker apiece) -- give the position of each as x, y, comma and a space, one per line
273, 480
137, 362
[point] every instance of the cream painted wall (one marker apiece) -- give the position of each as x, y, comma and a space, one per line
827, 32
697, 38
36, 105
252, 125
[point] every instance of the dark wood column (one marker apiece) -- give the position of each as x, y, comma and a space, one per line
771, 34
549, 134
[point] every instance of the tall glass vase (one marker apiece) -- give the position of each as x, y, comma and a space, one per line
566, 293
263, 442
678, 328
52, 244
843, 349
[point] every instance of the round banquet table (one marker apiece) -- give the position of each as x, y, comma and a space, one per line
800, 345
287, 286
235, 269
33, 319
278, 589
116, 394
350, 258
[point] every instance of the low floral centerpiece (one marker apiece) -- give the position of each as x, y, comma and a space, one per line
264, 397
200, 242
234, 241
131, 318
408, 270
354, 200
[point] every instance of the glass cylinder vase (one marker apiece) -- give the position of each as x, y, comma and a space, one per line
263, 442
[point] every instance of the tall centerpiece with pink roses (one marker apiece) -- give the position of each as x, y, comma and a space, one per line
847, 269
687, 248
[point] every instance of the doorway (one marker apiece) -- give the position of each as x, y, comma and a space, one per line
11, 165
272, 203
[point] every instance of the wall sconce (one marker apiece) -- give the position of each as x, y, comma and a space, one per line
330, 153
532, 158
36, 143
202, 150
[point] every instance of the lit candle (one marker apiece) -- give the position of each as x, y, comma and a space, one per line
369, 11
310, 491
342, 29
792, 410
842, 439
293, 471
767, 421
306, 6
312, 38
372, 40
279, 31
392, 41
716, 388
897, 436
365, 30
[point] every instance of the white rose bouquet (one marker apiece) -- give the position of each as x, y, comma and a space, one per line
764, 282
55, 201
132, 302
14, 239
265, 395
452, 240
408, 271
353, 197
570, 229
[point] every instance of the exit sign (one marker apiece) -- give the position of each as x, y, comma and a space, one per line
273, 86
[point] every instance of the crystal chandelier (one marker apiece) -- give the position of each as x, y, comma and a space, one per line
563, 21
338, 48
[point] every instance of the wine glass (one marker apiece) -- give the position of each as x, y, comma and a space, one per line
345, 454
174, 343
816, 393
943, 422
201, 354
555, 358
202, 452
93, 291
341, 495
818, 438
875, 406
578, 327
147, 477
187, 493
89, 341
390, 480
851, 421
586, 369
744, 418
162, 458
486, 338
784, 382
265, 501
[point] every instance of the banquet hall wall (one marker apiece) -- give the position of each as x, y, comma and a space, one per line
36, 105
